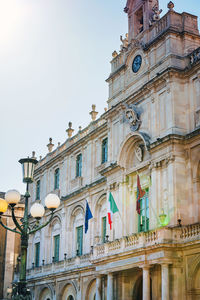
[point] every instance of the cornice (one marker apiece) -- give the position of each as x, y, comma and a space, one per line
60, 156
84, 189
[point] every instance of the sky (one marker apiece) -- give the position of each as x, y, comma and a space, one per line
54, 58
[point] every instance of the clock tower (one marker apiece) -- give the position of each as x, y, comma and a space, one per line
141, 15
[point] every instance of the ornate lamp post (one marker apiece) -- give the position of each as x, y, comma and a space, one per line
37, 211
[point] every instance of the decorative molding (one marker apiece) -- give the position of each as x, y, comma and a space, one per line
132, 116
162, 161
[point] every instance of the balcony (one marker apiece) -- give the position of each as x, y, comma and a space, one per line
175, 22
126, 245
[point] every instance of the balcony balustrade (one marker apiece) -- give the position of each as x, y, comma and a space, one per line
135, 242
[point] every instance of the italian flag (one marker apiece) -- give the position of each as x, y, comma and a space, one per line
112, 208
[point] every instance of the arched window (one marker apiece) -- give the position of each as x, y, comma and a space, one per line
77, 233
70, 297
102, 222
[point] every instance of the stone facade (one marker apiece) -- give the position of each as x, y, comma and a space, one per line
9, 251
151, 129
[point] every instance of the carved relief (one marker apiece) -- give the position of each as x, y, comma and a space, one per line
124, 41
139, 152
155, 16
131, 115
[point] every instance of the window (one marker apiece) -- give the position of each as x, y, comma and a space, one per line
56, 247
56, 179
37, 254
79, 165
79, 240
143, 218
104, 229
104, 151
38, 190
70, 297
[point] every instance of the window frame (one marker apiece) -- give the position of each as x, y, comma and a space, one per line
56, 241
144, 213
104, 228
79, 161
37, 254
38, 182
79, 245
56, 178
104, 150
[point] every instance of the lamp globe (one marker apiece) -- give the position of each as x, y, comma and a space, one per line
3, 206
52, 201
37, 210
12, 197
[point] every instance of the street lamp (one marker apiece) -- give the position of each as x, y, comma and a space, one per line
37, 211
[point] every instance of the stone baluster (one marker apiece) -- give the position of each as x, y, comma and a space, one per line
98, 288
165, 281
146, 283
110, 286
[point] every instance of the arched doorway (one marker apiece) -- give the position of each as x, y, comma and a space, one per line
45, 294
138, 289
69, 292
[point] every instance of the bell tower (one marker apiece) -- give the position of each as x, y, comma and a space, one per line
141, 15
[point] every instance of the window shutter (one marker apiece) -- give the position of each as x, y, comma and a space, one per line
38, 190
56, 247
37, 254
104, 229
80, 240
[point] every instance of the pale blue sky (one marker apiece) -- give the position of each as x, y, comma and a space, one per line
54, 59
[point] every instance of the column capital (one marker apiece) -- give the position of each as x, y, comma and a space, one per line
145, 267
165, 262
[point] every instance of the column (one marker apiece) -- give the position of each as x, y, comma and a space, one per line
98, 288
110, 286
146, 283
165, 281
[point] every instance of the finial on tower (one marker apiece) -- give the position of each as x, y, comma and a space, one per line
170, 6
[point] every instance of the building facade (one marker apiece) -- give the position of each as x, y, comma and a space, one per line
150, 131
9, 250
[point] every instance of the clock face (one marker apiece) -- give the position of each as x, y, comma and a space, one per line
137, 63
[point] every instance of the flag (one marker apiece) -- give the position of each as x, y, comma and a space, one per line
140, 194
88, 216
112, 208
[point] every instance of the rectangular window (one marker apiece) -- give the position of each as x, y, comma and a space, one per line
38, 190
143, 218
79, 240
37, 254
104, 229
56, 179
104, 151
56, 247
79, 165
